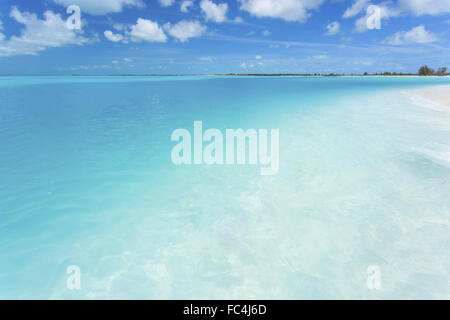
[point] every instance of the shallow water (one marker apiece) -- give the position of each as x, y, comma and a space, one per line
87, 180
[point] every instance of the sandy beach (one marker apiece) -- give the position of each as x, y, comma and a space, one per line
437, 94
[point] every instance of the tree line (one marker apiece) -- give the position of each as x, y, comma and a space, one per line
426, 71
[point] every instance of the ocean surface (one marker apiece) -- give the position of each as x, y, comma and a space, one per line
86, 179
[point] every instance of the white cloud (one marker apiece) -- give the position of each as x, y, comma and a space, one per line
184, 30
333, 28
416, 35
404, 7
258, 57
147, 30
289, 10
103, 66
266, 33
115, 62
166, 3
214, 12
127, 60
114, 37
185, 5
243, 65
38, 35
99, 7
94, 67
120, 26
421, 7
361, 24
357, 7
206, 59
320, 57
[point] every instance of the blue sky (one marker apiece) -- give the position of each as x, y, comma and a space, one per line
222, 36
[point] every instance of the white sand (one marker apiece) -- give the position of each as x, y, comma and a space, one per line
437, 94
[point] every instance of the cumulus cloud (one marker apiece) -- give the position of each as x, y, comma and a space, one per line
333, 28
214, 12
289, 10
184, 30
422, 7
38, 35
416, 35
114, 37
166, 3
357, 7
99, 7
150, 31
147, 30
185, 5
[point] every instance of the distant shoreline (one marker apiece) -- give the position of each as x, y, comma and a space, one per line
227, 75
323, 75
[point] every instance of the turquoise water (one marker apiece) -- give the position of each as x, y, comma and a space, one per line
87, 180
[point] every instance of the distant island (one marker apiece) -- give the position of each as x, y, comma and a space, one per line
423, 71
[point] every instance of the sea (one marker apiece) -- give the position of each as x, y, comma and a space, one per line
93, 207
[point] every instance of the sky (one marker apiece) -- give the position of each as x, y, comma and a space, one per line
106, 37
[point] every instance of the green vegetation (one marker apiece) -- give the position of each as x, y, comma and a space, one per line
426, 71
442, 71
